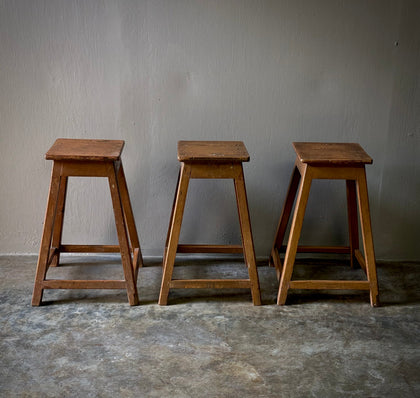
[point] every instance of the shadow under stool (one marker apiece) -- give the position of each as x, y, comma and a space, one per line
326, 161
87, 158
205, 160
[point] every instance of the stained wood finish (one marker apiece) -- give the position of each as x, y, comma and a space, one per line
367, 238
88, 150
129, 219
296, 227
59, 219
89, 248
122, 233
324, 249
174, 231
210, 249
210, 159
89, 158
246, 234
44, 250
284, 217
212, 151
330, 285
84, 284
211, 284
326, 161
331, 153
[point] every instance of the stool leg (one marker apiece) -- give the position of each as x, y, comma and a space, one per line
362, 194
284, 220
246, 233
127, 264
295, 230
170, 219
59, 220
129, 219
352, 219
174, 231
42, 266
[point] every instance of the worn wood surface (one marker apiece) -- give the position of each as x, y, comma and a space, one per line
80, 149
331, 153
212, 151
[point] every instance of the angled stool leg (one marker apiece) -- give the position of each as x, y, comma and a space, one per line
58, 223
295, 230
362, 194
44, 251
246, 233
171, 219
131, 224
174, 231
284, 220
352, 219
131, 283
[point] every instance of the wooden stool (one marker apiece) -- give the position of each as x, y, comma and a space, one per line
210, 159
326, 161
87, 158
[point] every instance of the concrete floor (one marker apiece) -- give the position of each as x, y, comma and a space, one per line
208, 344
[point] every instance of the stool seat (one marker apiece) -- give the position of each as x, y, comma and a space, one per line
85, 150
87, 158
210, 159
345, 161
212, 151
339, 154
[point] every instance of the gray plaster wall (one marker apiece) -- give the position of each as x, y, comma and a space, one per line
155, 72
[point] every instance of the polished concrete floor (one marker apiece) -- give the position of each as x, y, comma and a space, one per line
208, 343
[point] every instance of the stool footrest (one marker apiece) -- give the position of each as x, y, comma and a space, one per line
210, 284
321, 249
210, 249
89, 249
83, 284
330, 284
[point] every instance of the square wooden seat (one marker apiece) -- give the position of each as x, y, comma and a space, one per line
210, 159
87, 158
326, 161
